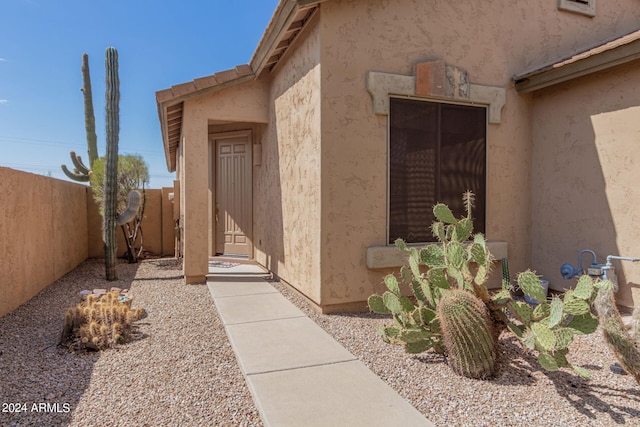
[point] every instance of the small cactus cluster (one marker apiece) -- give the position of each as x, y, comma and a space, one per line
624, 343
99, 323
460, 264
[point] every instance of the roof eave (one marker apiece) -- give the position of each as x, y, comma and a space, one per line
284, 15
578, 66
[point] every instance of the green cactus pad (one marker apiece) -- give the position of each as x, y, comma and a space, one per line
376, 304
584, 324
444, 214
432, 255
438, 231
580, 371
419, 293
502, 297
530, 285
541, 311
455, 255
462, 230
414, 335
564, 337
418, 347
407, 304
577, 307
548, 362
414, 263
438, 278
392, 302
545, 338
405, 272
478, 252
481, 275
584, 288
392, 284
401, 244
555, 315
528, 339
427, 315
456, 275
521, 310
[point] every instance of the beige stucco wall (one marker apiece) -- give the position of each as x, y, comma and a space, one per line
242, 103
585, 176
492, 41
43, 233
158, 231
287, 234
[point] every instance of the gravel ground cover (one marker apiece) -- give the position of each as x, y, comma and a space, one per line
180, 369
522, 394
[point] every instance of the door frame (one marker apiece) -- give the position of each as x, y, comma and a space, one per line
213, 157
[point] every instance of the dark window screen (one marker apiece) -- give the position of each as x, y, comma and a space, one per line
437, 152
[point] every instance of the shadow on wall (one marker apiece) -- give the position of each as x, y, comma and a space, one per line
584, 176
34, 369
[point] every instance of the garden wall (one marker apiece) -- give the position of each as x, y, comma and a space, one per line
157, 225
43, 233
49, 226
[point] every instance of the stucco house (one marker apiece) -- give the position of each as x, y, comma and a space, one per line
354, 117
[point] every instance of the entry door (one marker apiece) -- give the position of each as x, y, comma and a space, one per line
233, 195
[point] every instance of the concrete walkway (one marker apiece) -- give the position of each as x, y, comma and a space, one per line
297, 373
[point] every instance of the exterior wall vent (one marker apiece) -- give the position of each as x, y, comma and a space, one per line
583, 7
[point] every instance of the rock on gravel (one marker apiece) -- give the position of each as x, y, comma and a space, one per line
180, 370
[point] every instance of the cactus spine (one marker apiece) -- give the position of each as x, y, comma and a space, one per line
111, 167
467, 333
624, 344
81, 172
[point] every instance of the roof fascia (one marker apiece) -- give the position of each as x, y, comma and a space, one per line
560, 72
280, 22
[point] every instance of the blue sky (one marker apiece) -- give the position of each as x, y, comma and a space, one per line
160, 43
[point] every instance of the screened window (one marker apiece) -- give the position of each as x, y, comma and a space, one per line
437, 152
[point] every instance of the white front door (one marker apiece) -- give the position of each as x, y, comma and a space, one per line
233, 208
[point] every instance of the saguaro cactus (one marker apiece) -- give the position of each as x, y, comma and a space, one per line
81, 172
111, 167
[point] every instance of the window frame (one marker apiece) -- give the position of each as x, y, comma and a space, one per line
388, 171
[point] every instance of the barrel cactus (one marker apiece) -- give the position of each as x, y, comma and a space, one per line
467, 333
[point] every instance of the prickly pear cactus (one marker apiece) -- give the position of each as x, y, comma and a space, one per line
461, 262
468, 334
549, 327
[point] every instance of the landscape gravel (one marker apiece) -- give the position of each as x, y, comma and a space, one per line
521, 394
181, 369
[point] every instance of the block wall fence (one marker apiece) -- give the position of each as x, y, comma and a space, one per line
49, 226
